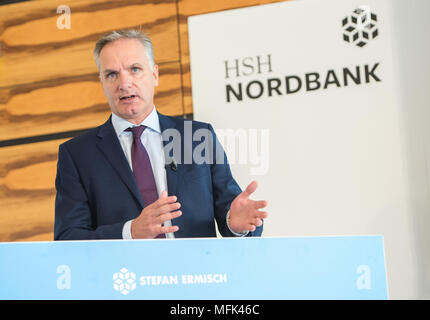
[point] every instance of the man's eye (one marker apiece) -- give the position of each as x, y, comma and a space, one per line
111, 75
135, 69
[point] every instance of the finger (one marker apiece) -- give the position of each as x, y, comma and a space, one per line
251, 188
168, 216
261, 214
257, 222
164, 199
168, 229
166, 209
257, 214
251, 227
260, 204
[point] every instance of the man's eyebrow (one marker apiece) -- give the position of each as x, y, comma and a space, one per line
107, 71
136, 64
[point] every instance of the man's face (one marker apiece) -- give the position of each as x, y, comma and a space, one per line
128, 80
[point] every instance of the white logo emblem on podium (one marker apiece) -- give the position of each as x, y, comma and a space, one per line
124, 281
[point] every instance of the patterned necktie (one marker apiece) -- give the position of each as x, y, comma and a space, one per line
142, 169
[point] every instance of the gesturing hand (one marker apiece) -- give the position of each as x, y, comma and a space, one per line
244, 212
149, 223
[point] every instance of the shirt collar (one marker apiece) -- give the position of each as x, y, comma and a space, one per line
151, 121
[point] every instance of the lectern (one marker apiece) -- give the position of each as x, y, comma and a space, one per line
329, 267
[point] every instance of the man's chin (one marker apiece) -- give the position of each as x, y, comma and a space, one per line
134, 114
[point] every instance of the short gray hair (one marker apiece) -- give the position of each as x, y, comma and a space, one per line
125, 34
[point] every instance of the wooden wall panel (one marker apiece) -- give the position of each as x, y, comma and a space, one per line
49, 78
34, 49
27, 191
188, 8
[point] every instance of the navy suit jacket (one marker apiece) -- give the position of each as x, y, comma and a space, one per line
97, 192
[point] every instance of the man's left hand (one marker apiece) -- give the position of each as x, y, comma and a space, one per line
244, 212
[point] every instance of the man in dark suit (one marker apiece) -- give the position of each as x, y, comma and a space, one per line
105, 177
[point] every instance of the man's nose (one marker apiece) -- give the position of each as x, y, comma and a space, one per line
125, 81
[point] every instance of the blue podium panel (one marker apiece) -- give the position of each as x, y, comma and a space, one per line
347, 267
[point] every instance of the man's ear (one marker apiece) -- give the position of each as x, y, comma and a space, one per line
155, 74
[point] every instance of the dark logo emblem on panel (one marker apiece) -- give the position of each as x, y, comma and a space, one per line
360, 27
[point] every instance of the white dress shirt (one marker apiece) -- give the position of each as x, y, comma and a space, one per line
152, 141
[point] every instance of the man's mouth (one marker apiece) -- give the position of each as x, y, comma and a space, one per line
128, 98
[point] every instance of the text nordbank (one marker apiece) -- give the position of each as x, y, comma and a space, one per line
289, 84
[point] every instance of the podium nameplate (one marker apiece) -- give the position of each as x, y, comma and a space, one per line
332, 267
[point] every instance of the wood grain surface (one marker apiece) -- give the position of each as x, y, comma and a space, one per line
34, 49
49, 78
27, 191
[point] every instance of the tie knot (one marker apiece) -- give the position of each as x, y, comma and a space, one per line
137, 131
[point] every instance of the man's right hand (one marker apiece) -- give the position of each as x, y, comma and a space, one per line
149, 223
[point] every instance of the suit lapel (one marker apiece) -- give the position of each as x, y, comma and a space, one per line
110, 147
